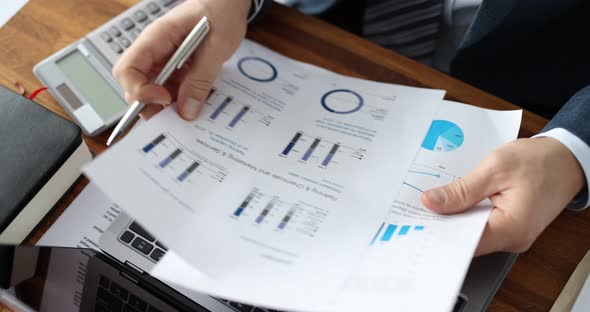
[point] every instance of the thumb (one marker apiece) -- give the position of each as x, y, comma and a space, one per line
462, 194
197, 82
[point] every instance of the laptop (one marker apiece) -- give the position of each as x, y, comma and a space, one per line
127, 241
36, 279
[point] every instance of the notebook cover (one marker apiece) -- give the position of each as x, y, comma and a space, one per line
34, 143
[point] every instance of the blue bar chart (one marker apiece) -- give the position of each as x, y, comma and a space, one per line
239, 116
245, 203
311, 148
388, 232
330, 155
188, 171
154, 143
173, 160
318, 151
170, 158
289, 146
287, 217
265, 211
220, 108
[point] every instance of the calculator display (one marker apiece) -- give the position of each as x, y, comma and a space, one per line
91, 85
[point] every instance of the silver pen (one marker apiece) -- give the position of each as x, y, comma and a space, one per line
184, 51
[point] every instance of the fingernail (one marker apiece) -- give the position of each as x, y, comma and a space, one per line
190, 108
436, 196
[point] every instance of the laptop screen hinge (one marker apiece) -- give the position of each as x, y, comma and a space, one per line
134, 268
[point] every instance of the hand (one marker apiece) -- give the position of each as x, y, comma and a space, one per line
529, 181
142, 62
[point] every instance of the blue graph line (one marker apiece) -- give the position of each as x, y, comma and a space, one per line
426, 173
417, 189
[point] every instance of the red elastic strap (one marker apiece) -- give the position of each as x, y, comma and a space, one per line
36, 92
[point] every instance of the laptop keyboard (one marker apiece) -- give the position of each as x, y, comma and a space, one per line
112, 297
144, 243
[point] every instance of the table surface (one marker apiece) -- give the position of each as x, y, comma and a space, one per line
43, 27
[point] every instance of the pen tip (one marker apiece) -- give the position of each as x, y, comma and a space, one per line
111, 138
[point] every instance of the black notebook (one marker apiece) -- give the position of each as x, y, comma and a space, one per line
40, 157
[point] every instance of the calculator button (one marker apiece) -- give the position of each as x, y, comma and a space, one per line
139, 16
115, 31
127, 24
125, 42
116, 47
134, 33
167, 2
106, 37
152, 8
146, 23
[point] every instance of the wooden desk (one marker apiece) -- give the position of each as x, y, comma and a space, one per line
45, 26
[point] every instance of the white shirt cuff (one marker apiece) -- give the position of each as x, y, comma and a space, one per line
579, 148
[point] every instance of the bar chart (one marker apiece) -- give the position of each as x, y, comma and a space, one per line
319, 151
230, 112
245, 203
271, 213
179, 163
388, 232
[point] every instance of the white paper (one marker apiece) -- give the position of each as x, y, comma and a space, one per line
79, 226
427, 255
357, 139
423, 269
8, 8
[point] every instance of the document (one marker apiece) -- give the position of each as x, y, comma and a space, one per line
416, 254
416, 260
282, 180
9, 9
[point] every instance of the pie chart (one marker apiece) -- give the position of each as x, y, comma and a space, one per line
443, 136
342, 101
257, 69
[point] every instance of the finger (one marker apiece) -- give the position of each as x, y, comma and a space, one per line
195, 87
155, 45
462, 194
497, 230
151, 110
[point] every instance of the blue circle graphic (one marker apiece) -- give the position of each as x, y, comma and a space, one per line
272, 74
358, 106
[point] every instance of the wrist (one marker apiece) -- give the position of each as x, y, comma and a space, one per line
560, 156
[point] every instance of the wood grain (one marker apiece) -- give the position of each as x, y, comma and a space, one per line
43, 27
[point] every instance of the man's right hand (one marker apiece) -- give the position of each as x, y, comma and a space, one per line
142, 62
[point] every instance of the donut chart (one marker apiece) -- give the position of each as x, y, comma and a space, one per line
342, 101
257, 69
443, 136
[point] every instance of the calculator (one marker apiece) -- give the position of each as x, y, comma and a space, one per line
79, 76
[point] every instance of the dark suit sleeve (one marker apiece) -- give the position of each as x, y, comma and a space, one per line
254, 16
574, 117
